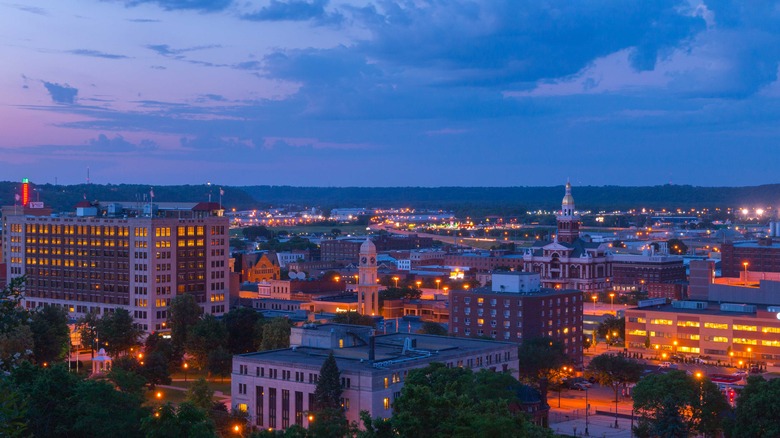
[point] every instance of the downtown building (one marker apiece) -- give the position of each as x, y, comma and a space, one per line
107, 257
516, 308
276, 388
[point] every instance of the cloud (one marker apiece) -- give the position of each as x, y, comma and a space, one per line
31, 9
143, 20
198, 5
295, 10
313, 143
118, 144
61, 93
97, 54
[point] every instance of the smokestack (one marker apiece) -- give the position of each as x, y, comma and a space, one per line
371, 348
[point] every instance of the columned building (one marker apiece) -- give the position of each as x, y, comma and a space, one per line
367, 289
569, 261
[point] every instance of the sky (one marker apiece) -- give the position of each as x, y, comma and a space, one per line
390, 93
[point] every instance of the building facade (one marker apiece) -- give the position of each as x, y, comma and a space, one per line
762, 255
512, 314
94, 263
570, 262
276, 388
367, 288
631, 272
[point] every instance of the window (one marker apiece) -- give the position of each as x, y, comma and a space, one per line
386, 403
747, 328
714, 325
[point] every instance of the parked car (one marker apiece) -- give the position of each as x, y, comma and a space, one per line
579, 386
668, 365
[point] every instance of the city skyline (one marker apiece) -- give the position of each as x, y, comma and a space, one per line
325, 93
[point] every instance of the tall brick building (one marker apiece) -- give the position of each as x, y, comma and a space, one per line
515, 308
100, 259
762, 255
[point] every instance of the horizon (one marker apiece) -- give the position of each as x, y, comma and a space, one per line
320, 93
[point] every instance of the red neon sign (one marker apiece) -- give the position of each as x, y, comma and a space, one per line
25, 192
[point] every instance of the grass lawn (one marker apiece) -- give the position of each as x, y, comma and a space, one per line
168, 395
214, 384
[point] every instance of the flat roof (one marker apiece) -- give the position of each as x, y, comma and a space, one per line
388, 352
713, 308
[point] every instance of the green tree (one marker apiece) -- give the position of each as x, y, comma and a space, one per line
330, 420
13, 423
87, 329
16, 346
50, 332
220, 362
758, 409
254, 232
675, 404
186, 420
240, 325
118, 332
156, 369
611, 326
541, 357
276, 334
615, 371
462, 403
98, 409
200, 394
397, 293
183, 314
676, 246
204, 337
432, 328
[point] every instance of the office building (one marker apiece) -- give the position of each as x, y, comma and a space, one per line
105, 257
276, 388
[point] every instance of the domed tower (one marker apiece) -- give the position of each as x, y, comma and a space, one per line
368, 290
568, 222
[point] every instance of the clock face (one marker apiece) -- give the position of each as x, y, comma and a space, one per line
373, 260
363, 260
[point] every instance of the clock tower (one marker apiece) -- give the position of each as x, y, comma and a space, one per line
367, 289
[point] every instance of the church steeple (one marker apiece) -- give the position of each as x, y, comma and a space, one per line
368, 291
568, 221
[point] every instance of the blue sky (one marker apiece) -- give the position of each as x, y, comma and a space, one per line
386, 93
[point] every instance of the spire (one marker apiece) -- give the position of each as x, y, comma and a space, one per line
567, 206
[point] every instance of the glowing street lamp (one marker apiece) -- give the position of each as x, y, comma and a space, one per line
438, 281
396, 282
612, 301
418, 283
745, 264
594, 297
185, 366
337, 279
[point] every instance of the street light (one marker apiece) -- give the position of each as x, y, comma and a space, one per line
438, 281
611, 301
396, 282
594, 297
186, 365
419, 283
745, 264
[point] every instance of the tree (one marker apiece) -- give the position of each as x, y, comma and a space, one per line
13, 423
615, 371
205, 336
540, 357
437, 401
240, 325
185, 421
611, 326
757, 409
156, 369
675, 404
87, 329
16, 337
183, 313
254, 232
200, 394
220, 362
676, 246
398, 293
330, 420
51, 336
276, 334
118, 332
354, 318
432, 328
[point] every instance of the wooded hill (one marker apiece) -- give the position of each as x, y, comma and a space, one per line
463, 201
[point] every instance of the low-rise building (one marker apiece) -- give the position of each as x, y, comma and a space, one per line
276, 388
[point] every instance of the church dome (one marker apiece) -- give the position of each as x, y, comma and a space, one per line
568, 199
368, 246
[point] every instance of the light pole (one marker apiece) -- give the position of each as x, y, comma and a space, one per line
587, 409
745, 264
419, 283
594, 297
611, 301
438, 281
396, 282
186, 365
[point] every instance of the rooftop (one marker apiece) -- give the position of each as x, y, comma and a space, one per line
389, 352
